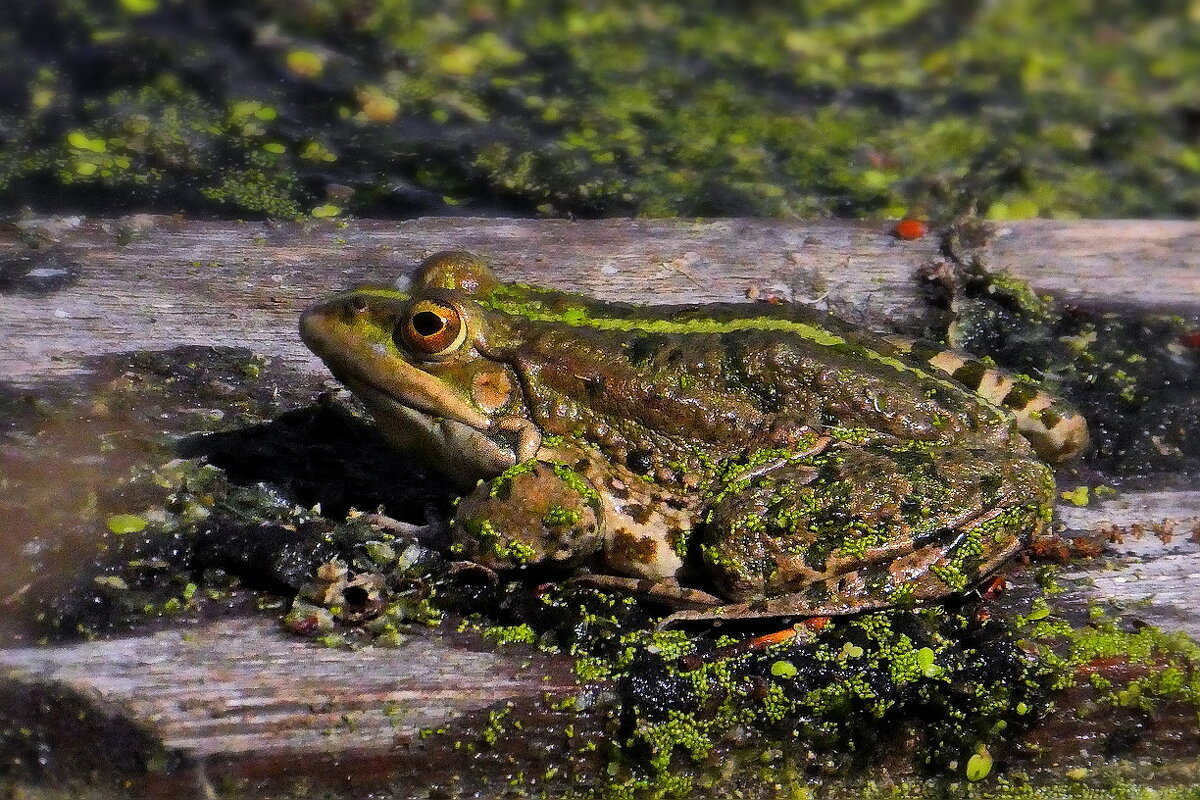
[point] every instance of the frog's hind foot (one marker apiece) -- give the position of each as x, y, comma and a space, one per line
798, 606
669, 593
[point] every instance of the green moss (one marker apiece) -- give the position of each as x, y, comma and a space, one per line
575, 482
558, 515
504, 550
257, 190
776, 111
511, 634
503, 482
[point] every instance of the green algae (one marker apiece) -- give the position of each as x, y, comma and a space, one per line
1015, 109
953, 690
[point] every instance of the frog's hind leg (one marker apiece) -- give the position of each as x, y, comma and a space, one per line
863, 526
926, 574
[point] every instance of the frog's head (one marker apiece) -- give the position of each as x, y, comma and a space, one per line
417, 360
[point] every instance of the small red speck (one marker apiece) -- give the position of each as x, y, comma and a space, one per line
909, 228
1191, 340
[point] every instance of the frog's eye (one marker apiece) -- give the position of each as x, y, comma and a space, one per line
431, 329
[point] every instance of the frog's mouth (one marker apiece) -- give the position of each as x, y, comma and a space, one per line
414, 410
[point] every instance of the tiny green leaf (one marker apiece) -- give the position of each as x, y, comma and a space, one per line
1040, 611
125, 523
783, 669
925, 660
979, 765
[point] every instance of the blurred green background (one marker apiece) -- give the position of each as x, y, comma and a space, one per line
397, 108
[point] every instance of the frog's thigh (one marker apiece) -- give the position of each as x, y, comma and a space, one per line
868, 527
531, 514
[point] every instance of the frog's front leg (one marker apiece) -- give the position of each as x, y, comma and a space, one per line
536, 512
868, 525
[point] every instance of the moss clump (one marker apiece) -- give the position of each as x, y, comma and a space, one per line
953, 692
1127, 665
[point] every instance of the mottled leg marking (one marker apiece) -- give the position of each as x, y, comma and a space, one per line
867, 526
869, 588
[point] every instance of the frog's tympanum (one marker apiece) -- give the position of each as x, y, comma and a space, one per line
727, 460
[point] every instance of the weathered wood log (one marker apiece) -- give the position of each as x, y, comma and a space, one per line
246, 686
155, 282
70, 290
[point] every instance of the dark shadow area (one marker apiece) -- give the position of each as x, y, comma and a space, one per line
324, 455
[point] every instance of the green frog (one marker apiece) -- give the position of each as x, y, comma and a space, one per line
727, 460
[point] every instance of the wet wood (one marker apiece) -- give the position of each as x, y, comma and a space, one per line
247, 686
73, 289
1151, 555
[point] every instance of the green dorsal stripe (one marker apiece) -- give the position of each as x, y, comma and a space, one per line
581, 316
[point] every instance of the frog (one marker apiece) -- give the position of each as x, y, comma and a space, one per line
722, 460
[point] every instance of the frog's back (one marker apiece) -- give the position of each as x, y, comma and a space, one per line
755, 361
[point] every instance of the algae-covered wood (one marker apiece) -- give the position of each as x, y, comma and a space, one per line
243, 691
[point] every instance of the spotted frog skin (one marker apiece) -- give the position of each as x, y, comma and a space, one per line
727, 460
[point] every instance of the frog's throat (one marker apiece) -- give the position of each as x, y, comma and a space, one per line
464, 453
